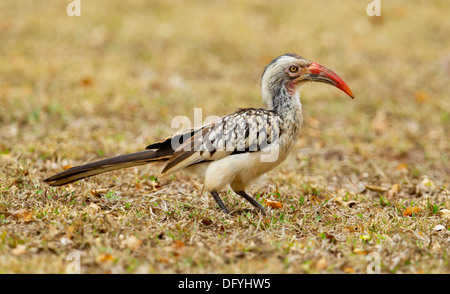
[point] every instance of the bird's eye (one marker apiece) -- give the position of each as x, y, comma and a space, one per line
293, 68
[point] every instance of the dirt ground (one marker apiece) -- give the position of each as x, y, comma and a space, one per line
366, 190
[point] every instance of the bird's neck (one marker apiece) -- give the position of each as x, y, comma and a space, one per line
286, 105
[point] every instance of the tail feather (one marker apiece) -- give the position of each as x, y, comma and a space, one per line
94, 168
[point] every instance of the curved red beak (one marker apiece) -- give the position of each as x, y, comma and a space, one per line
319, 73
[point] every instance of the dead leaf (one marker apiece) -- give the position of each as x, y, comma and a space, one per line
360, 251
162, 259
410, 210
22, 214
273, 204
265, 223
421, 96
376, 188
70, 231
348, 269
66, 167
402, 167
314, 198
106, 258
86, 82
178, 244
207, 221
393, 191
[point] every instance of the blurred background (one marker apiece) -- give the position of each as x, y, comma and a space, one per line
112, 79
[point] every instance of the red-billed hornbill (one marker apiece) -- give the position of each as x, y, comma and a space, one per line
238, 148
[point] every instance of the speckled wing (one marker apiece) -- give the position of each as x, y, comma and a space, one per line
246, 130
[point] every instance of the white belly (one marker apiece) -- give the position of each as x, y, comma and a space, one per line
240, 170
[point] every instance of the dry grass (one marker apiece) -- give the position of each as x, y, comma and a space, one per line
109, 82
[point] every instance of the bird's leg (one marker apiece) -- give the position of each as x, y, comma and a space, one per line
219, 201
252, 201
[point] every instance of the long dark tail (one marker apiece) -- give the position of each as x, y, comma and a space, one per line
94, 168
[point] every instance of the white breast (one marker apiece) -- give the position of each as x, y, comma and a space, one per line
241, 170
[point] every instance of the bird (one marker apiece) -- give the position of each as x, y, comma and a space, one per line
238, 148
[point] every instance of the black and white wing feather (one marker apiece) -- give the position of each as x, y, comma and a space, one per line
246, 130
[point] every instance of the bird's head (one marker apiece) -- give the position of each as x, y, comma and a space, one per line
289, 71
